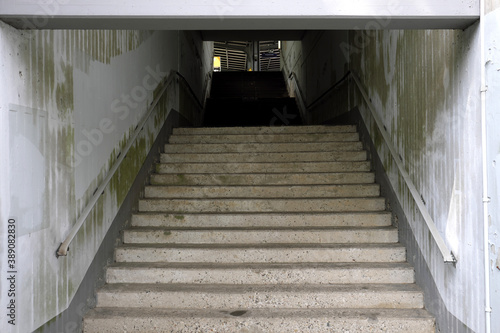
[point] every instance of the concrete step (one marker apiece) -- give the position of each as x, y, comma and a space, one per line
261, 273
264, 138
304, 167
319, 191
333, 156
110, 320
260, 235
114, 320
263, 147
264, 179
261, 205
264, 130
355, 219
264, 253
196, 296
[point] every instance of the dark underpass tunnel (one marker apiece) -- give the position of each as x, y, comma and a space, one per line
250, 99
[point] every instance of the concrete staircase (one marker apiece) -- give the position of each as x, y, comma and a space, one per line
277, 229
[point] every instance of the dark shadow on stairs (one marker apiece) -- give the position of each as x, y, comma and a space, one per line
250, 99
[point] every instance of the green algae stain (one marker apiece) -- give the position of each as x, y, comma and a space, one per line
179, 217
181, 179
64, 92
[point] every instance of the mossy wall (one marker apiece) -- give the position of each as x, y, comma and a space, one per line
69, 103
425, 87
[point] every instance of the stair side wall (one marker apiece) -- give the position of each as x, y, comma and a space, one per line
425, 86
70, 101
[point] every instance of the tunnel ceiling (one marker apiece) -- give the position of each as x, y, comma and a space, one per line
239, 15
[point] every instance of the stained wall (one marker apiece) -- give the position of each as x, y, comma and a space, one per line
69, 102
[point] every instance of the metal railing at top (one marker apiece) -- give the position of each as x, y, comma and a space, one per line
446, 253
167, 81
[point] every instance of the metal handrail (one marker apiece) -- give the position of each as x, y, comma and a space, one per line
201, 104
328, 91
64, 247
447, 254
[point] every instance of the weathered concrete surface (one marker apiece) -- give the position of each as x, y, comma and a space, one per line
251, 247
181, 206
264, 167
256, 321
263, 178
282, 219
279, 273
266, 157
253, 253
401, 296
262, 147
253, 236
332, 191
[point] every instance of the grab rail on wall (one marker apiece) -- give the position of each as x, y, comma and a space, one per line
167, 81
446, 253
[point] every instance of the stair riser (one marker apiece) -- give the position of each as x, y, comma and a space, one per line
252, 300
338, 191
264, 138
256, 205
260, 276
231, 324
218, 168
265, 236
281, 255
263, 179
264, 130
264, 157
263, 220
263, 147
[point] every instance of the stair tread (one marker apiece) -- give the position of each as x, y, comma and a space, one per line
263, 147
263, 204
284, 178
372, 314
258, 130
268, 228
265, 199
270, 214
195, 219
237, 288
263, 246
266, 138
259, 266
